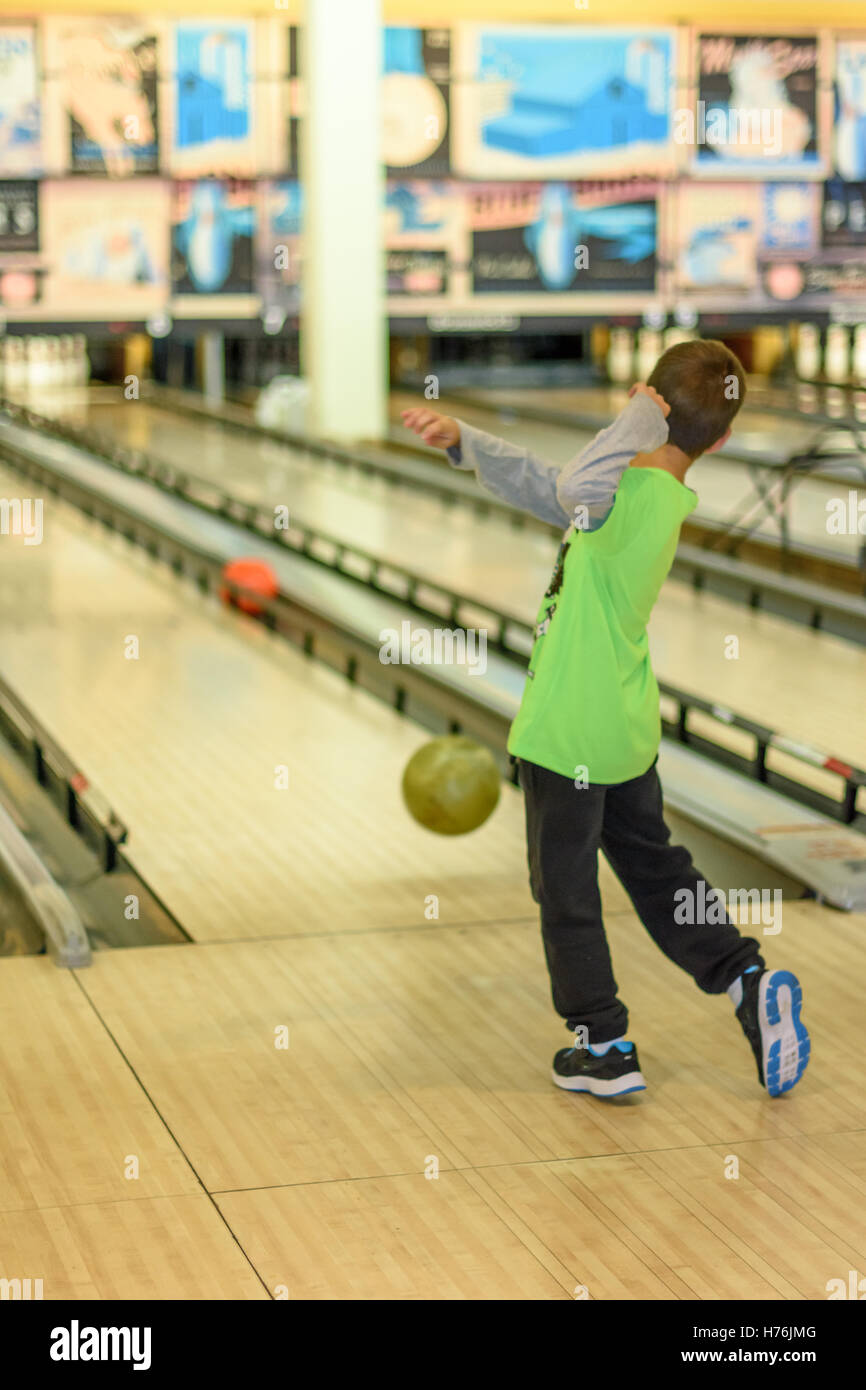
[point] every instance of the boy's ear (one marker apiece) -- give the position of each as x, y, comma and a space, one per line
720, 442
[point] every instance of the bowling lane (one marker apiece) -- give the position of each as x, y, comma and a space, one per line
255, 468
192, 739
806, 684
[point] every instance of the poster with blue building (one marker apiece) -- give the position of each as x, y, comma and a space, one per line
213, 121
563, 102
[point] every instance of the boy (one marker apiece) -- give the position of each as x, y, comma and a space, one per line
587, 734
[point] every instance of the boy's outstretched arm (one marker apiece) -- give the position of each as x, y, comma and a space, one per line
544, 489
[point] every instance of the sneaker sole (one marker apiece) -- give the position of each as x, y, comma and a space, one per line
618, 1086
784, 1039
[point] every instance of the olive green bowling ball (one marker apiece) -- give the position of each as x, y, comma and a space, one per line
451, 785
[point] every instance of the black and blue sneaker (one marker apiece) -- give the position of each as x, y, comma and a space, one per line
769, 1015
613, 1073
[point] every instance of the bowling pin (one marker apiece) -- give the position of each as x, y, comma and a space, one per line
620, 357
837, 358
66, 363
53, 365
859, 357
808, 352
676, 335
35, 363
649, 350
13, 371
81, 360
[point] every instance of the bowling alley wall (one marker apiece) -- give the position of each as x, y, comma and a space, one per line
150, 172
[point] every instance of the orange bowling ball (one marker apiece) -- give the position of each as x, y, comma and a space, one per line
255, 575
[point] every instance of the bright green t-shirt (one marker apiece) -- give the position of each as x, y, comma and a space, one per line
591, 700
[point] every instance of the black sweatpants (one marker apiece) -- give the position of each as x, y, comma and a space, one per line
565, 828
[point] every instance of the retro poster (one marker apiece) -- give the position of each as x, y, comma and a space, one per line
568, 238
844, 214
106, 246
756, 111
213, 120
416, 101
19, 215
278, 245
20, 133
105, 81
563, 102
212, 237
716, 234
423, 236
849, 124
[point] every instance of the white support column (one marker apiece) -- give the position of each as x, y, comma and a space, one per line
343, 325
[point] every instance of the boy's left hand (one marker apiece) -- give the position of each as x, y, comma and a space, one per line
641, 386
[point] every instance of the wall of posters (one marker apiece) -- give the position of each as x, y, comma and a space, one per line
20, 126
415, 97
212, 237
534, 170
213, 100
563, 102
106, 85
757, 105
106, 246
563, 238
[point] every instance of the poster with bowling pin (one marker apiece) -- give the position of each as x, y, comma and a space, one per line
103, 92
423, 229
212, 110
849, 114
563, 101
415, 96
756, 112
278, 245
106, 247
563, 238
20, 115
212, 237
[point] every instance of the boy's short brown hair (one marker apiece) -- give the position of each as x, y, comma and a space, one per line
704, 384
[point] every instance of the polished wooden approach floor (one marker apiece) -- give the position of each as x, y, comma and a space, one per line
160, 1141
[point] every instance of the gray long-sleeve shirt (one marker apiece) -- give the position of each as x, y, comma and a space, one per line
587, 482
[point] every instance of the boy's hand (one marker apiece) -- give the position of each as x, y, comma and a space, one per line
440, 431
653, 394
